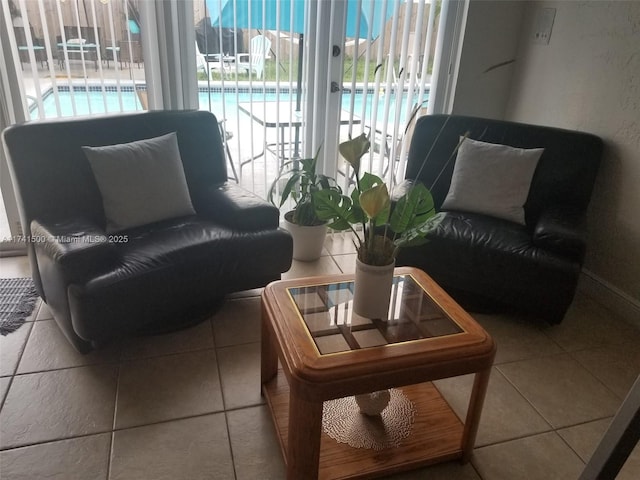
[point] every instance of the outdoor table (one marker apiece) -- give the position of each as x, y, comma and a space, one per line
111, 53
38, 50
280, 115
84, 51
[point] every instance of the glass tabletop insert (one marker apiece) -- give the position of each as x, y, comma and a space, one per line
327, 311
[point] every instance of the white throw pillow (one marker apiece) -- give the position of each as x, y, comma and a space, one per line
140, 182
76, 41
492, 179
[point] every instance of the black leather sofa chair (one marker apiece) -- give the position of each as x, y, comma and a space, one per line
488, 263
147, 278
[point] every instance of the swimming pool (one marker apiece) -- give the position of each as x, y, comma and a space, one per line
91, 100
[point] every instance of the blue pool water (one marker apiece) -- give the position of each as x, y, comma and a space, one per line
94, 102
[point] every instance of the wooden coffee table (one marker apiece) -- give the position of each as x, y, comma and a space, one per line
328, 352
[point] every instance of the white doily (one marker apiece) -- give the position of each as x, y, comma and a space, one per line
342, 421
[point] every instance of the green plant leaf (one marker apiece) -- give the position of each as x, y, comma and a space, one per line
288, 189
416, 235
308, 166
304, 214
356, 211
412, 210
369, 180
332, 206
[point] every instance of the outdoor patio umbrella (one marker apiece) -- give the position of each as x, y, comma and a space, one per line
263, 14
237, 13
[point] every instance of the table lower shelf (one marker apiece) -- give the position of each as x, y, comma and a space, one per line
436, 436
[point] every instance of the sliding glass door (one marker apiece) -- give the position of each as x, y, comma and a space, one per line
293, 78
286, 78
64, 58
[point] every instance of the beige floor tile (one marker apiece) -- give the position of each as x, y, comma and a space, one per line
43, 312
616, 366
561, 390
34, 313
256, 451
347, 263
74, 459
588, 324
15, 267
584, 439
255, 292
541, 457
59, 404
48, 349
506, 414
322, 266
631, 469
445, 471
194, 338
237, 322
240, 375
517, 338
166, 388
192, 448
11, 348
339, 243
4, 387
173, 380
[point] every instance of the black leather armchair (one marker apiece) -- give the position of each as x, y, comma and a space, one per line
489, 263
147, 278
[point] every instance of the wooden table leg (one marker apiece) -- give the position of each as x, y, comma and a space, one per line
268, 351
472, 422
305, 428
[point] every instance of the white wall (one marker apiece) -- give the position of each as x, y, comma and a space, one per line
490, 38
588, 78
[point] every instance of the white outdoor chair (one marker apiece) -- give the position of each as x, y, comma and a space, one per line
210, 63
254, 60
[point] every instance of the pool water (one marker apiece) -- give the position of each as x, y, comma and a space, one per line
94, 102
87, 102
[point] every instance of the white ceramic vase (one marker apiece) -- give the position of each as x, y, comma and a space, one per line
373, 403
307, 241
372, 290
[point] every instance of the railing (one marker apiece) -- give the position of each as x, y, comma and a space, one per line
83, 57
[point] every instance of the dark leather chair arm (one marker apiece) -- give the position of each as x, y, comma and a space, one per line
78, 247
561, 230
237, 208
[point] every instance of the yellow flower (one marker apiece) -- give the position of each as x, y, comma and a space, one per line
374, 200
353, 150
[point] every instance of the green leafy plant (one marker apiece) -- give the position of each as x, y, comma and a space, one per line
385, 228
303, 184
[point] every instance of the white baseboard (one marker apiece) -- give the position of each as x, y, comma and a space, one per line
12, 249
610, 296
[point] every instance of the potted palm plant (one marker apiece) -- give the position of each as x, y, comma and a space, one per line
384, 229
302, 184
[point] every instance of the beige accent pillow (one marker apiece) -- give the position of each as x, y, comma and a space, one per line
492, 179
141, 182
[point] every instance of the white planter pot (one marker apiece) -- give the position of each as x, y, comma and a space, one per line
372, 290
374, 403
307, 241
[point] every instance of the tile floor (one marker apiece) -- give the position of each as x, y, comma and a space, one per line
187, 405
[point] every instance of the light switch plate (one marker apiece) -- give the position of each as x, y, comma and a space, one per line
544, 25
